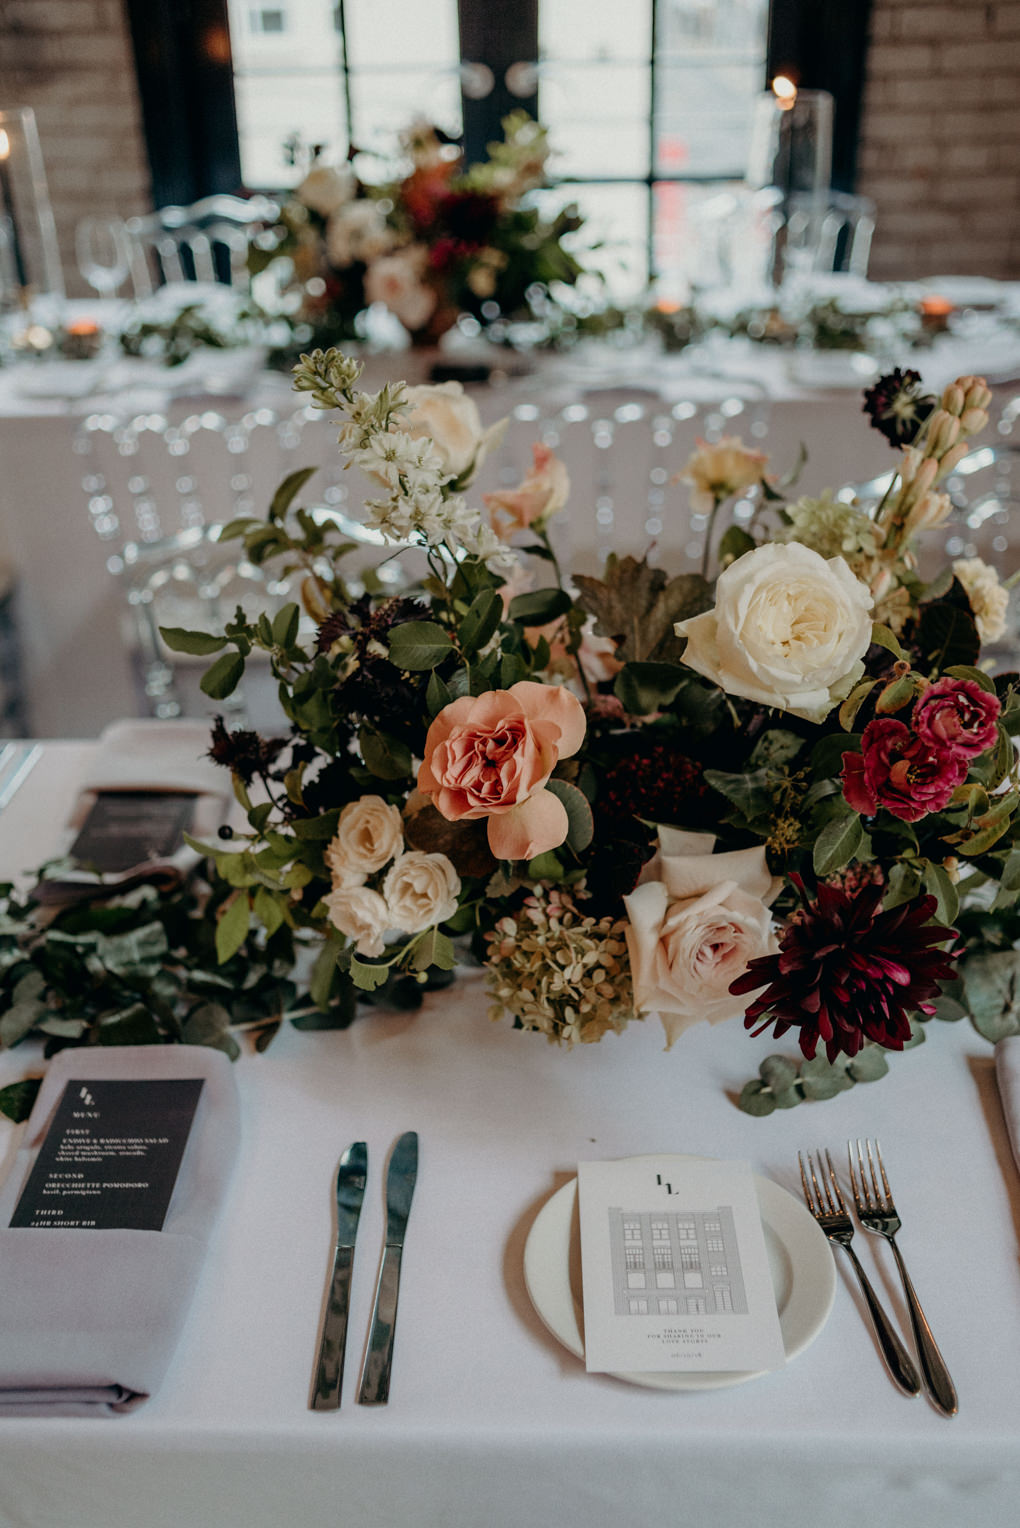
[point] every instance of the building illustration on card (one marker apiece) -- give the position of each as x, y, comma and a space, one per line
677, 1262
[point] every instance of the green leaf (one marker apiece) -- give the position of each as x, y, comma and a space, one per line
134, 1025
288, 491
756, 1099
975, 675
19, 1020
545, 867
992, 990
232, 928
883, 637
435, 949
868, 1065
837, 843
947, 636
437, 695
777, 1073
645, 687
539, 607
827, 754
285, 625
224, 676
268, 909
481, 621
581, 823
419, 645
201, 643
938, 881
820, 1078
320, 986
209, 1024
733, 543
17, 1098
853, 703
368, 976
386, 757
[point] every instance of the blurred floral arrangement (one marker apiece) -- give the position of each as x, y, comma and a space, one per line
782, 792
443, 239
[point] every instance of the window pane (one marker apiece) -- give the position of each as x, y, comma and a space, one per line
288, 77
617, 218
595, 85
710, 61
287, 80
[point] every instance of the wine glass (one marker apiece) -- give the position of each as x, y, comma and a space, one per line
104, 253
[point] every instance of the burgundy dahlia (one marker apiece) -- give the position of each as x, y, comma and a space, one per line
896, 406
847, 972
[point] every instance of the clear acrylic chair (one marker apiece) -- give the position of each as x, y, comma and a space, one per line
206, 242
159, 487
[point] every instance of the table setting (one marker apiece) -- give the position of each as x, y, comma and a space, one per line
441, 958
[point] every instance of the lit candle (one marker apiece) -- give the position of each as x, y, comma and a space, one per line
7, 194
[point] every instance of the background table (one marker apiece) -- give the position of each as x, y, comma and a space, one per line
76, 671
491, 1424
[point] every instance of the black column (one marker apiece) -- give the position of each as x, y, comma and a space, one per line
823, 45
497, 33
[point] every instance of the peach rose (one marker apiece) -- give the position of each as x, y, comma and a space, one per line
542, 493
491, 756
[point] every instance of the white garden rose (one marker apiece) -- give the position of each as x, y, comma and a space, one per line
420, 890
362, 915
989, 599
369, 834
445, 414
693, 928
789, 629
397, 282
326, 187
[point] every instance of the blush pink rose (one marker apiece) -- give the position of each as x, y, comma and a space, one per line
491, 756
542, 493
957, 715
900, 771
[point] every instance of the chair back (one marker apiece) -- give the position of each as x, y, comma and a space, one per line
207, 242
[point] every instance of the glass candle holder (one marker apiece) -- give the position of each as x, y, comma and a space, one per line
31, 278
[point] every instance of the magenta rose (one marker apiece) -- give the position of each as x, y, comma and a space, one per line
957, 715
900, 771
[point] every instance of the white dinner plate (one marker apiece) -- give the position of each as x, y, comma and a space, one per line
801, 1261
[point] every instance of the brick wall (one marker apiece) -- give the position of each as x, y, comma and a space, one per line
940, 138
71, 61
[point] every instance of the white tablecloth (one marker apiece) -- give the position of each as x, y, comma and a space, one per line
76, 670
491, 1424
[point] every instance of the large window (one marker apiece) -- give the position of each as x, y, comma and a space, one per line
644, 106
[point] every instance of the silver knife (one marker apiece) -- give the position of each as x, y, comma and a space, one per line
400, 1181
350, 1191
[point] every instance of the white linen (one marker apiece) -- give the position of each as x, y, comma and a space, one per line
491, 1424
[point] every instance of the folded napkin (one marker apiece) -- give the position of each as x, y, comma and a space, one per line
143, 756
1007, 1072
89, 1319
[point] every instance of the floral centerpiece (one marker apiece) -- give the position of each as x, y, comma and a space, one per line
782, 792
444, 238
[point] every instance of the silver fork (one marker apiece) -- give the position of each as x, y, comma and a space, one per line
825, 1201
877, 1212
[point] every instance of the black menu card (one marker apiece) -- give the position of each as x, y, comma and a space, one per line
126, 829
111, 1155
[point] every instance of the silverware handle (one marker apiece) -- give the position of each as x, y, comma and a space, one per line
933, 1367
895, 1354
375, 1378
329, 1369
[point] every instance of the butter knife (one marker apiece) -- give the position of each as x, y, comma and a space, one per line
329, 1367
400, 1181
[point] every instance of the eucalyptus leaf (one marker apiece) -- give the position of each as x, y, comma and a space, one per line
868, 1065
580, 822
756, 1099
17, 1098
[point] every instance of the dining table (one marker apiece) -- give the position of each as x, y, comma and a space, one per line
492, 1419
75, 661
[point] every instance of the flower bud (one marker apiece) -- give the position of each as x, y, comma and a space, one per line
912, 459
953, 458
973, 420
943, 431
978, 395
953, 399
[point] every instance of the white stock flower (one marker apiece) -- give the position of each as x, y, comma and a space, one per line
325, 188
789, 629
362, 915
420, 890
369, 834
693, 929
989, 600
